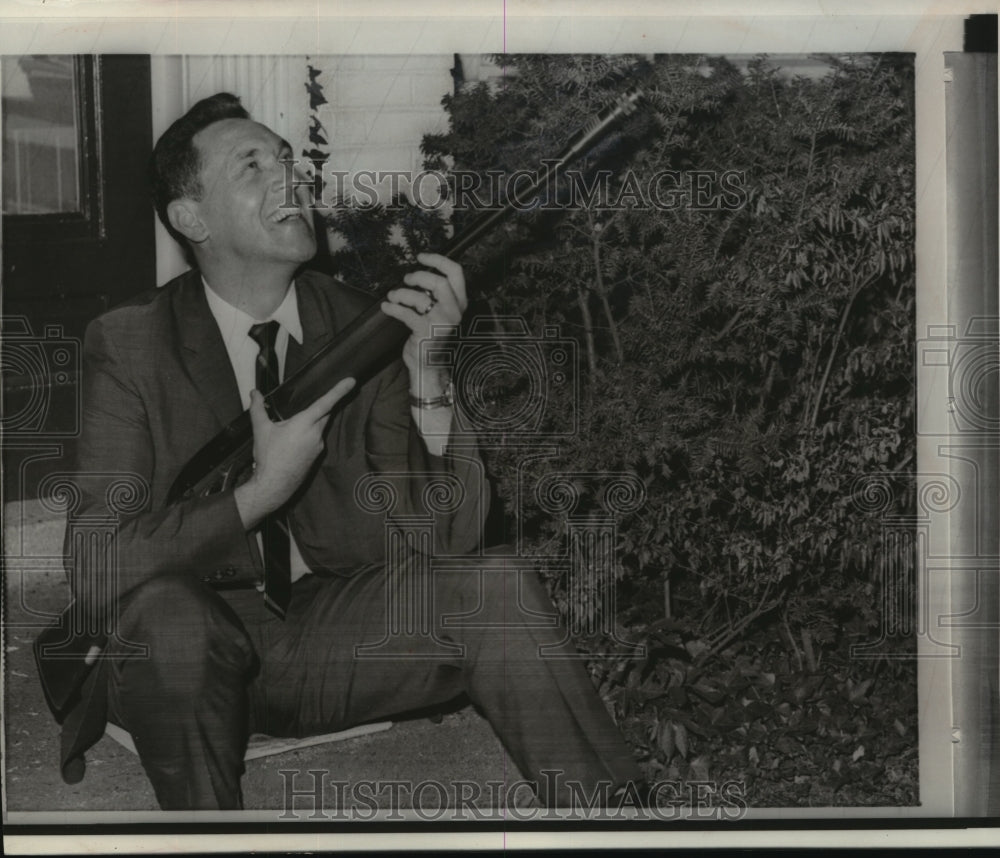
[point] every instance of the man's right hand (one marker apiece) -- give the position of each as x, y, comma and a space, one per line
283, 452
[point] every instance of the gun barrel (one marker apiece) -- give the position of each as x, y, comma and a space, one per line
370, 340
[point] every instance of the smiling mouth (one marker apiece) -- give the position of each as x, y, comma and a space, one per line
285, 215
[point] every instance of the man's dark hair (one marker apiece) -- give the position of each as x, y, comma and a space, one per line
175, 166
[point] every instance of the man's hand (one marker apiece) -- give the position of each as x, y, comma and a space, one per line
437, 300
283, 452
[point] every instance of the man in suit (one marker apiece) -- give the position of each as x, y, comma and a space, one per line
211, 642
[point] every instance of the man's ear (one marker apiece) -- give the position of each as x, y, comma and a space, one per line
184, 216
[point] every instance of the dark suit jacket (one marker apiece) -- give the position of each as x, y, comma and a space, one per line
158, 385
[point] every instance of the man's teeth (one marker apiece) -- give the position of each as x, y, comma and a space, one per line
285, 214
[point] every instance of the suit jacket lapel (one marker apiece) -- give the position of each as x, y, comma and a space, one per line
317, 323
203, 351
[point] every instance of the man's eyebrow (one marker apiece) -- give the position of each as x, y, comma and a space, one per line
254, 149
240, 153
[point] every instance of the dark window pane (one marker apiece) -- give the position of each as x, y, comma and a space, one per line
41, 133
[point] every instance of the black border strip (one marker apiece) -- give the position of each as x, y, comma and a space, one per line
467, 826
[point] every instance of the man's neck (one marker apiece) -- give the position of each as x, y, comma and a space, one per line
257, 292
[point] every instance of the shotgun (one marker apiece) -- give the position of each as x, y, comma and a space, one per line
65, 652
358, 349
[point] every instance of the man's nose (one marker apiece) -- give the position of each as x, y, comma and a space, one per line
298, 184
281, 172
284, 180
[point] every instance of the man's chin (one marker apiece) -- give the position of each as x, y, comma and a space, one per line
302, 252
310, 254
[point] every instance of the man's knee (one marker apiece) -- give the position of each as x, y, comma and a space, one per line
179, 619
506, 589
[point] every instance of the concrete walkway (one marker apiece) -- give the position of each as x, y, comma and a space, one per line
461, 748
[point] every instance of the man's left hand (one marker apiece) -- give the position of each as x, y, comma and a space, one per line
429, 303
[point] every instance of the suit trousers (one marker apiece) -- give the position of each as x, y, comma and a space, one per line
220, 666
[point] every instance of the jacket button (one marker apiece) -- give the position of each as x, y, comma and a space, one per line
230, 572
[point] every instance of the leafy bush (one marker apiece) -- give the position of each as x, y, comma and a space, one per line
747, 360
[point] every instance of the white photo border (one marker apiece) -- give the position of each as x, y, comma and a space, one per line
518, 26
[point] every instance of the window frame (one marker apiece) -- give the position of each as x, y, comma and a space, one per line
88, 222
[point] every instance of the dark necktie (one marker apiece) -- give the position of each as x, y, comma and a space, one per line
274, 529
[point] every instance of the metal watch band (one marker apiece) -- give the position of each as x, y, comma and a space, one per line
445, 400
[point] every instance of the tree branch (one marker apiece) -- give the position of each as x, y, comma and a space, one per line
833, 352
588, 329
599, 288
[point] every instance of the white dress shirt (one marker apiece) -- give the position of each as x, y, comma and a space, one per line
234, 325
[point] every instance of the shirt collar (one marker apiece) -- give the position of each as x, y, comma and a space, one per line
234, 321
